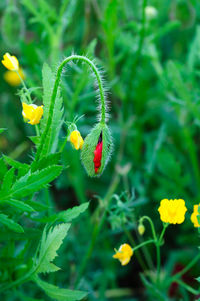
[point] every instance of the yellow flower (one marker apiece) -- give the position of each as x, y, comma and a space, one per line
194, 216
76, 139
172, 211
10, 62
124, 254
12, 78
32, 113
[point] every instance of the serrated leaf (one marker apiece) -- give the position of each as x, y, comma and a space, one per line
5, 220
65, 216
48, 79
19, 205
50, 243
70, 214
16, 164
31, 183
51, 159
8, 179
59, 294
35, 139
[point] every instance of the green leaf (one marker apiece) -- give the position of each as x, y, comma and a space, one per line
51, 159
16, 164
48, 79
50, 243
5, 220
3, 169
59, 294
65, 216
2, 130
35, 139
31, 183
19, 205
8, 179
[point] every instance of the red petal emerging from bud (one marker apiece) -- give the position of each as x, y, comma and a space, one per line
98, 156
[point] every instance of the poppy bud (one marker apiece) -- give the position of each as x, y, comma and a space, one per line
96, 150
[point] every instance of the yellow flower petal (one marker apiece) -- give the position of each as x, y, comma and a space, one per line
172, 211
32, 113
76, 139
12, 78
10, 62
124, 254
194, 216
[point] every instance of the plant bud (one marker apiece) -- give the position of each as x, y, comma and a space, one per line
141, 229
96, 150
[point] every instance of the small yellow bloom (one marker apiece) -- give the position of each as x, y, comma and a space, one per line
194, 216
10, 62
124, 254
76, 139
12, 78
172, 211
32, 113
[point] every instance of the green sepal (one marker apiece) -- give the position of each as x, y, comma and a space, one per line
89, 146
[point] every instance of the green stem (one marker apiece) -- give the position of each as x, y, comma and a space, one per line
138, 255
158, 243
97, 229
150, 241
187, 287
145, 217
188, 267
44, 145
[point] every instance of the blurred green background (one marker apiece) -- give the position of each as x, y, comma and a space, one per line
150, 59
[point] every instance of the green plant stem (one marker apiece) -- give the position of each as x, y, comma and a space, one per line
158, 243
97, 228
188, 267
187, 287
145, 217
138, 255
44, 145
150, 241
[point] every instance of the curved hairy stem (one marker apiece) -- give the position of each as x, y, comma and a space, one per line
44, 143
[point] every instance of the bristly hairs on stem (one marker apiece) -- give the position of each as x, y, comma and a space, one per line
101, 98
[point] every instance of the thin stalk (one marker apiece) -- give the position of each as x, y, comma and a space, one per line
150, 241
158, 242
145, 217
44, 139
138, 255
187, 268
97, 229
188, 288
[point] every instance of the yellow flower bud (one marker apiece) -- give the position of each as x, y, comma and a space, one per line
10, 62
172, 211
194, 216
76, 139
141, 229
32, 113
12, 78
124, 254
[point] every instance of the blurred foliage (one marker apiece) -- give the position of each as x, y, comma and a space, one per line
152, 75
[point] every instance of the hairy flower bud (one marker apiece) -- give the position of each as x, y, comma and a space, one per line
96, 150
